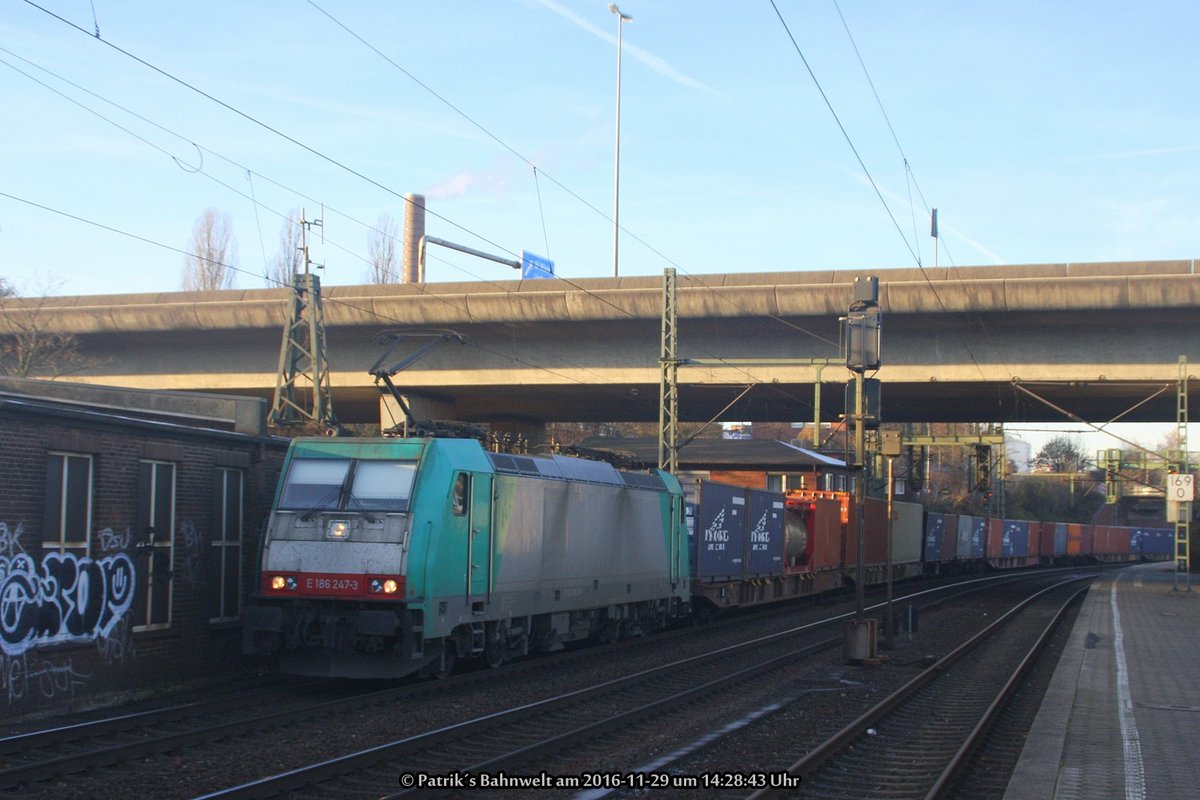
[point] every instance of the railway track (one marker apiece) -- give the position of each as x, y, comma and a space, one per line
33, 759
513, 740
917, 742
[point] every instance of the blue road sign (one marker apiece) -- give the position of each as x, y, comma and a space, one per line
534, 266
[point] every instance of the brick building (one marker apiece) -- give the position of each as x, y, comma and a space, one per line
129, 524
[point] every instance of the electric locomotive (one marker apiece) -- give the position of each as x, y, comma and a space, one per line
388, 556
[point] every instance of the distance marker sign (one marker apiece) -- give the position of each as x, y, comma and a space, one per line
1180, 489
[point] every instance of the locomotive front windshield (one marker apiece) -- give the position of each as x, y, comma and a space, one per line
327, 484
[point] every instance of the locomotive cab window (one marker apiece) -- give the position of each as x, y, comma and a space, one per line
325, 484
462, 488
314, 484
381, 486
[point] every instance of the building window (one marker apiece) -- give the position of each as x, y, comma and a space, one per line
68, 503
155, 552
225, 577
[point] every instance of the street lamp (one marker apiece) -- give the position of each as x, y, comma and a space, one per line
621, 20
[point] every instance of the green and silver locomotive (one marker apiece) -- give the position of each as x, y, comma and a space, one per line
386, 556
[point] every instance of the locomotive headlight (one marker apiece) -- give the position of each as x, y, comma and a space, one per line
388, 586
277, 583
281, 582
338, 529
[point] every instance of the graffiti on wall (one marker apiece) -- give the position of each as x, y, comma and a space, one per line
110, 541
65, 598
189, 567
21, 676
10, 540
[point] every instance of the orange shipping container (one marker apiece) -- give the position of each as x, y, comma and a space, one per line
1075, 540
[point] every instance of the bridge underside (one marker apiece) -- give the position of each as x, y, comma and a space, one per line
1097, 342
1097, 402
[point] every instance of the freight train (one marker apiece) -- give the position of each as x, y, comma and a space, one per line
388, 556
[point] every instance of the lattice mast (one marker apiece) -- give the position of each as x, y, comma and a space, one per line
668, 378
1181, 466
302, 391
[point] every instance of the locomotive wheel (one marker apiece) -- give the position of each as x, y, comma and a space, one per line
494, 653
495, 649
443, 668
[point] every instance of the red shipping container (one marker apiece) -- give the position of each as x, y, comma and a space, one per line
950, 537
875, 534
1111, 541
825, 539
995, 538
1087, 539
1035, 540
1045, 539
1119, 541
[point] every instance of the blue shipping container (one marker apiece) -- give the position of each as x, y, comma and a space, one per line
1060, 539
972, 537
979, 537
935, 529
721, 531
1156, 541
962, 549
764, 538
1016, 539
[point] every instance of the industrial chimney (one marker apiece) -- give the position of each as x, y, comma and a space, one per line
414, 229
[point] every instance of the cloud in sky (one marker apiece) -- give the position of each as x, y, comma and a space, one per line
649, 59
459, 185
943, 228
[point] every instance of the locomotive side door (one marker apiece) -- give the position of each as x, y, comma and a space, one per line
479, 533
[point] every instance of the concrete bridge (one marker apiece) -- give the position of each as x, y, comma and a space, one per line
959, 344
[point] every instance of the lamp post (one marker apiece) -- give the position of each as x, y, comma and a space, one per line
621, 20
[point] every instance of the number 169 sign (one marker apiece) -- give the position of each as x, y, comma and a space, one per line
1179, 488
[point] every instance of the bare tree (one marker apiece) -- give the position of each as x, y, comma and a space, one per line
212, 253
381, 249
289, 259
1062, 454
27, 348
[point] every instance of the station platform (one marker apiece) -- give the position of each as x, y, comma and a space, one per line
1121, 718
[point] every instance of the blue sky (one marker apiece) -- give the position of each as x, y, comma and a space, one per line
1043, 132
